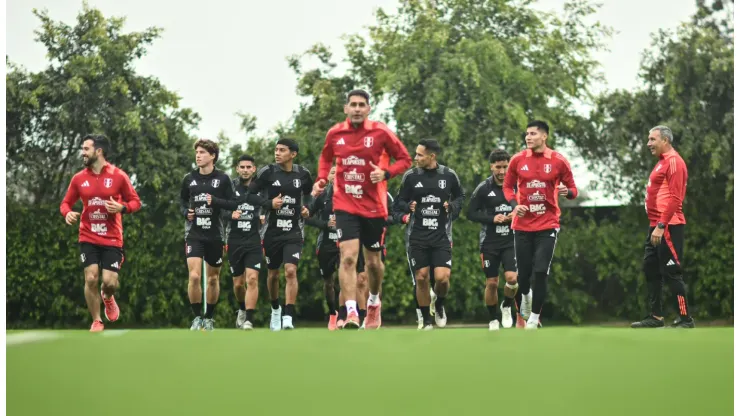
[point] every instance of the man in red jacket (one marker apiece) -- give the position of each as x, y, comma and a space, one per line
663, 258
106, 192
539, 174
362, 150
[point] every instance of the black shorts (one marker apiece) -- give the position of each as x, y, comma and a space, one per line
420, 256
211, 251
106, 257
279, 252
534, 251
242, 257
328, 260
370, 231
667, 256
491, 259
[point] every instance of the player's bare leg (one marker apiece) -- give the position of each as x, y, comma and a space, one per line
273, 289
250, 296
195, 293
491, 299
510, 290
362, 290
348, 279
423, 296
92, 297
212, 293
375, 270
240, 293
291, 294
441, 287
110, 285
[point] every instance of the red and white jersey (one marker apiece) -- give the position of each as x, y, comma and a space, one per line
97, 225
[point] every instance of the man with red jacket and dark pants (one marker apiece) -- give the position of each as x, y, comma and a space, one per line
666, 189
362, 150
539, 174
106, 192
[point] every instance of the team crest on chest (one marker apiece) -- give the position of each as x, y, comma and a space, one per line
215, 183
442, 184
368, 141
108, 182
548, 168
297, 183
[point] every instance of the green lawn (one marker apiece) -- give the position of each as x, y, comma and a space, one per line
554, 371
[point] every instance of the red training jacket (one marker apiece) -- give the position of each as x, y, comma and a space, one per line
666, 190
97, 226
536, 177
354, 150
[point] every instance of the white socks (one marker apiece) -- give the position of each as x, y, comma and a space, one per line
351, 306
372, 300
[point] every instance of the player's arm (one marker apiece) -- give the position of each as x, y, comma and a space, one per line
131, 201
401, 207
475, 208
229, 201
325, 159
676, 176
70, 198
307, 187
397, 150
566, 177
185, 196
510, 181
257, 190
458, 196
314, 208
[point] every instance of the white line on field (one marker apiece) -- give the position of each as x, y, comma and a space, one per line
114, 332
29, 337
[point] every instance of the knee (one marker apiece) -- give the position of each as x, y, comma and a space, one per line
290, 272
194, 277
442, 277
492, 284
239, 281
422, 279
361, 280
251, 280
213, 279
349, 261
374, 263
510, 277
91, 279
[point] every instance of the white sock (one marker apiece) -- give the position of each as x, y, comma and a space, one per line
418, 314
534, 317
351, 306
372, 300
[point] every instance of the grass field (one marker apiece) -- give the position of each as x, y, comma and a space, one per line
554, 371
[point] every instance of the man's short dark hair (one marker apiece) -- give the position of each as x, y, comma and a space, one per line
359, 93
99, 142
210, 146
541, 125
289, 143
245, 158
498, 155
431, 146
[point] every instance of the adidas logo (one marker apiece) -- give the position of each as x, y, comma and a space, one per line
237, 193
257, 266
449, 262
115, 265
297, 255
276, 183
341, 141
376, 245
193, 183
524, 168
492, 194
418, 185
671, 263
552, 235
219, 261
85, 184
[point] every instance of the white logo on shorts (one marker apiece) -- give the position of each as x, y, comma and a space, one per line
82, 257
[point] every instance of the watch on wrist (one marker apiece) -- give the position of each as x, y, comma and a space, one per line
123, 209
387, 175
661, 225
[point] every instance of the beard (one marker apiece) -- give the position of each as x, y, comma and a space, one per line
89, 160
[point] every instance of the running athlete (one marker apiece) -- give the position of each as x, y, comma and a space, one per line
434, 196
106, 192
361, 147
244, 245
489, 207
204, 229
540, 175
287, 187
